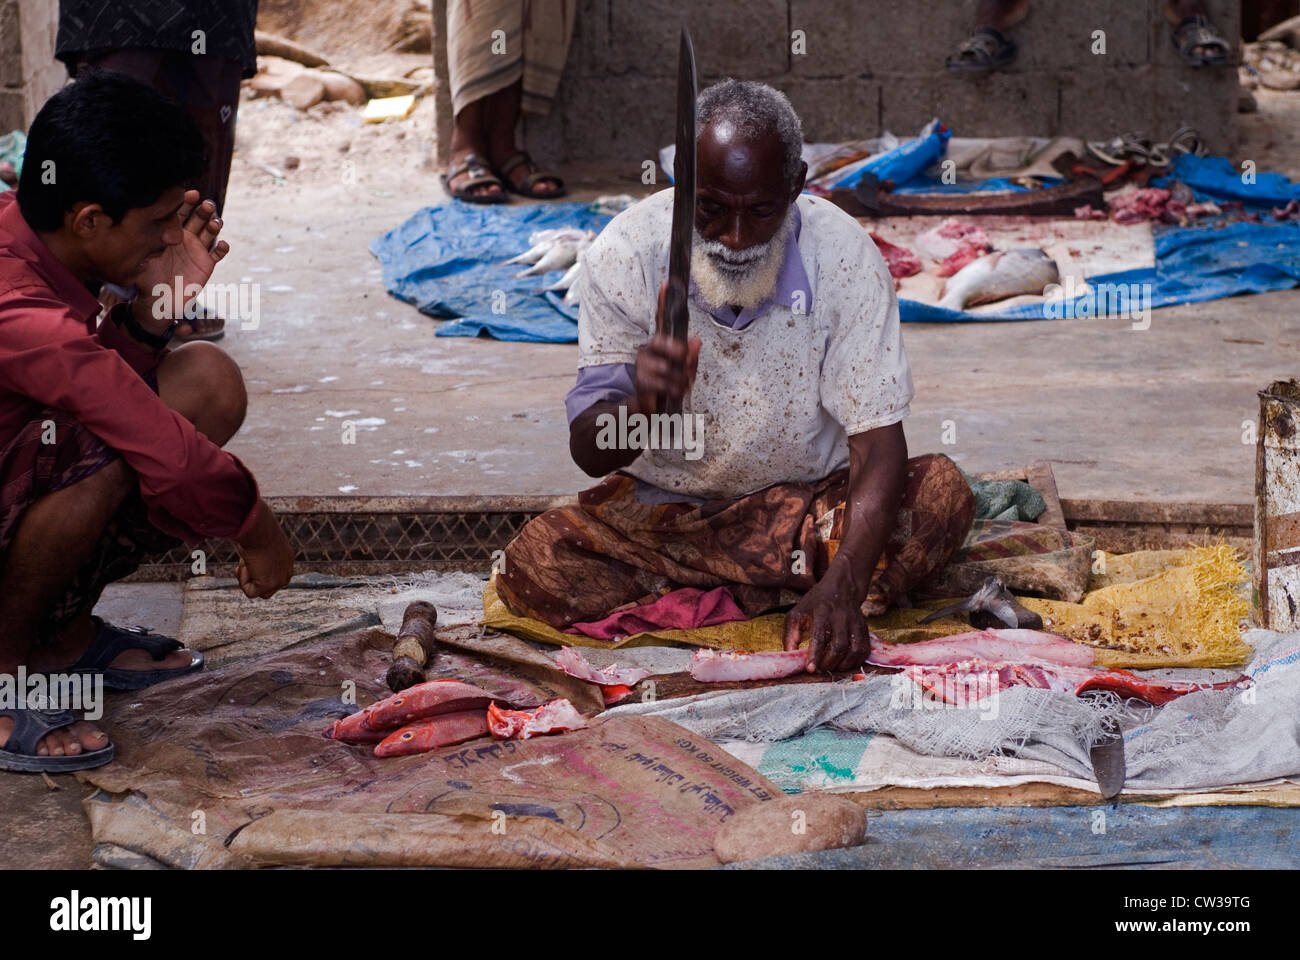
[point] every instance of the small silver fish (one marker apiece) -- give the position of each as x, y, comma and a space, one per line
571, 298
998, 276
562, 255
569, 279
541, 241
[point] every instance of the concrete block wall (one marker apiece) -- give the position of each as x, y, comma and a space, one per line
29, 74
876, 65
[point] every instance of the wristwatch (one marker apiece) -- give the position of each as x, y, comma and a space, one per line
158, 341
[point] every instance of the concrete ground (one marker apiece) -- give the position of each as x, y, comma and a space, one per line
1122, 414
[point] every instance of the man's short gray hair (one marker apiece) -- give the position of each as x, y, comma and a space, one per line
755, 109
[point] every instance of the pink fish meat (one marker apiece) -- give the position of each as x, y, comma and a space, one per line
555, 716
973, 680
991, 646
721, 666
572, 662
901, 261
950, 237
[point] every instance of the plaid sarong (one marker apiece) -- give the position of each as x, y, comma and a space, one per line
581, 563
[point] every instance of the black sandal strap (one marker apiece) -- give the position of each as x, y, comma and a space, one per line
985, 43
1196, 31
110, 641
32, 726
516, 159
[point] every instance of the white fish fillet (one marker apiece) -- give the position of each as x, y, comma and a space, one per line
998, 276
721, 666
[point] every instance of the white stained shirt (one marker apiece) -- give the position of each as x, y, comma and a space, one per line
779, 397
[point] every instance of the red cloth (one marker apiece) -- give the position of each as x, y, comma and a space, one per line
51, 355
682, 609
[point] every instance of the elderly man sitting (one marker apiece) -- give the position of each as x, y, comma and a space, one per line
787, 480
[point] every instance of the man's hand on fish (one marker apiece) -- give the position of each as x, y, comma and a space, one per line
832, 611
833, 607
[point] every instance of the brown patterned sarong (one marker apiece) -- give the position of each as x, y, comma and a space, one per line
583, 562
31, 468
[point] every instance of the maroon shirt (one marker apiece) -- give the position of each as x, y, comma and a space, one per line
52, 355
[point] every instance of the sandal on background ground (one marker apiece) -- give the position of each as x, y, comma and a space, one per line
480, 175
110, 641
203, 324
528, 188
31, 727
1196, 32
983, 51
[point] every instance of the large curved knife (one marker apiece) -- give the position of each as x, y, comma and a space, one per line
676, 313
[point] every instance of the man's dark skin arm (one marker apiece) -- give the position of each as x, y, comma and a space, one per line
840, 638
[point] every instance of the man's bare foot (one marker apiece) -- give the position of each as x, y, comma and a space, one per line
81, 737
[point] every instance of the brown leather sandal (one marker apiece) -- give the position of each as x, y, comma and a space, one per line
480, 176
528, 188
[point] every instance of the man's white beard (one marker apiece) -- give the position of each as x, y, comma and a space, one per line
739, 278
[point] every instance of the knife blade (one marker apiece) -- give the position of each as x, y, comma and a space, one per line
676, 314
1107, 756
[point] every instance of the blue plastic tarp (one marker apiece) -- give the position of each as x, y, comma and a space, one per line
1215, 178
449, 262
1193, 264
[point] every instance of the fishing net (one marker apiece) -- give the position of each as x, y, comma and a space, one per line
997, 725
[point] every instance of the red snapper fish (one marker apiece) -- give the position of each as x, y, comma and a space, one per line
355, 728
435, 732
554, 716
427, 700
375, 722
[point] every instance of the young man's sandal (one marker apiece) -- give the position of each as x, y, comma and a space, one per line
110, 641
31, 726
528, 187
480, 176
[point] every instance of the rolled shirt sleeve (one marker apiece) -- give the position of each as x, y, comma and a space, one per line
866, 381
605, 381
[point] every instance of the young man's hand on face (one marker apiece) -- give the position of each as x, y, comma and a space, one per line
188, 260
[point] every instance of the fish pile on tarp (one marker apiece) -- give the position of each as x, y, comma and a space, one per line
441, 713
